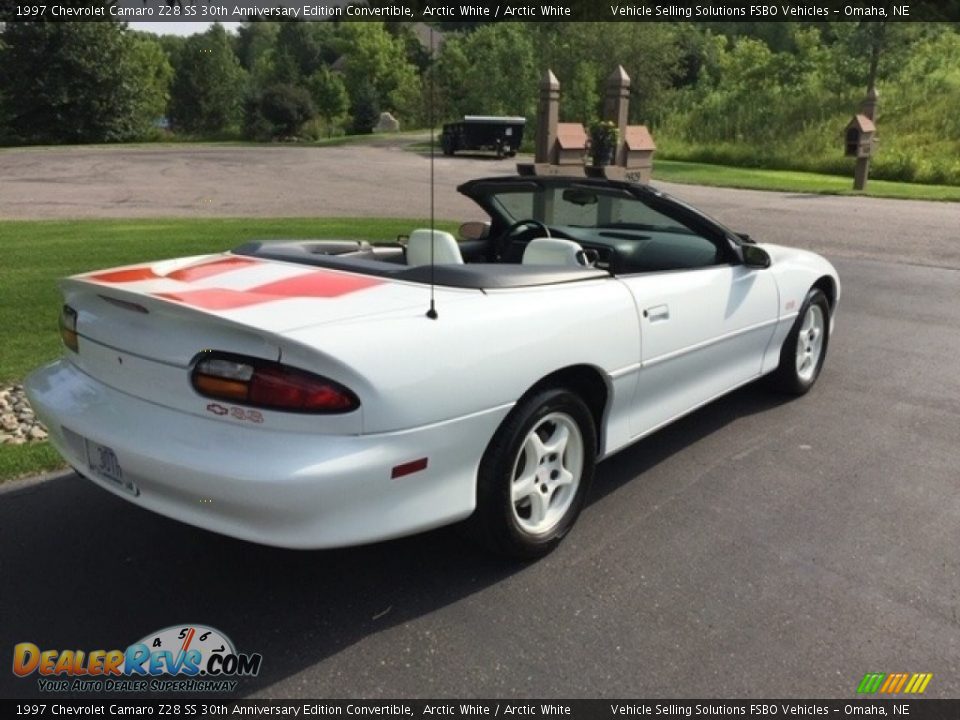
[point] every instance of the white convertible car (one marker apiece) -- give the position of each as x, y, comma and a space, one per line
315, 394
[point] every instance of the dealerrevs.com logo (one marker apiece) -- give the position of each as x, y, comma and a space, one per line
180, 658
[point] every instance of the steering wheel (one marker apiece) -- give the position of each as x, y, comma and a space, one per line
505, 240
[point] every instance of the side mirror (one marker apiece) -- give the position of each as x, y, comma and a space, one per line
474, 230
755, 257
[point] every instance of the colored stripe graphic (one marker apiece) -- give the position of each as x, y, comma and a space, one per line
894, 683
125, 276
191, 273
317, 284
918, 683
871, 682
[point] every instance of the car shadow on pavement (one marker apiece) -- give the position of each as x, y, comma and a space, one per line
83, 569
654, 449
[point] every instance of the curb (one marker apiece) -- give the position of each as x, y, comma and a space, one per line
31, 480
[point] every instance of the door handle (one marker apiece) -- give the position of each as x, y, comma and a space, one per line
657, 313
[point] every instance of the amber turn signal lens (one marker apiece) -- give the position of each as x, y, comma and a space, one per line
68, 328
220, 387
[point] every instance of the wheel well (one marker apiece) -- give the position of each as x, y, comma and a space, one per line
829, 288
588, 383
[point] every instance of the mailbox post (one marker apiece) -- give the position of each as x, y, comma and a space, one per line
859, 139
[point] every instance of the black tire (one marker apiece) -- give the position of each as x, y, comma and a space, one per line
792, 377
447, 145
499, 521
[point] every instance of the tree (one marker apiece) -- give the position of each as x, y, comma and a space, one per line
365, 108
329, 96
280, 111
490, 71
649, 52
254, 39
580, 101
156, 76
304, 47
79, 82
375, 61
208, 84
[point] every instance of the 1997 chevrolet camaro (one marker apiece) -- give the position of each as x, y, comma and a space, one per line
321, 393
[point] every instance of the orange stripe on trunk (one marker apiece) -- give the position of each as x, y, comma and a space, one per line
208, 269
144, 272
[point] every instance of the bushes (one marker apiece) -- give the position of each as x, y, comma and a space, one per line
753, 107
278, 112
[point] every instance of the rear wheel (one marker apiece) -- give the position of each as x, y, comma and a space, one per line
535, 474
805, 348
447, 145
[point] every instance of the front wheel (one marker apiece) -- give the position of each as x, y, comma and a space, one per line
805, 348
535, 474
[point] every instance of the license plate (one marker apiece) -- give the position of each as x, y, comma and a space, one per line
104, 463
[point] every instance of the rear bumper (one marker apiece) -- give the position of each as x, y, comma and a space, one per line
279, 488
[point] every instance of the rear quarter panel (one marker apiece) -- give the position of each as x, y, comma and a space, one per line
481, 352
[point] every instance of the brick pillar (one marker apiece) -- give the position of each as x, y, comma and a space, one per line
548, 114
616, 106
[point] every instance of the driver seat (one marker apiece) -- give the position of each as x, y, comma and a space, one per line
554, 251
445, 248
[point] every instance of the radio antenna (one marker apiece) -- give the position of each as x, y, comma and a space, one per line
432, 312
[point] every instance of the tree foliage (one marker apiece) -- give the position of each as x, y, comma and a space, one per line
490, 71
208, 84
771, 94
55, 89
753, 105
365, 108
278, 112
329, 95
649, 52
374, 60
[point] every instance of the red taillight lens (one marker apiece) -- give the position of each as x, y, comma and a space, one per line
269, 385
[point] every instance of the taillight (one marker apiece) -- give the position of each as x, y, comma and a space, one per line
68, 328
270, 385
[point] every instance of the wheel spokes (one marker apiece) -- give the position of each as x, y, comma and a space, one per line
524, 487
556, 444
546, 473
810, 342
539, 504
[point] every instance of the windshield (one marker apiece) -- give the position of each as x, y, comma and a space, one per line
584, 207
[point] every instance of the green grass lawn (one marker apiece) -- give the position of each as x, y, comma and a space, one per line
789, 181
35, 254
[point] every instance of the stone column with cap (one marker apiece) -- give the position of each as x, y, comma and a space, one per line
616, 107
548, 115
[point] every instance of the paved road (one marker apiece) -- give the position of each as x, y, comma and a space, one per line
387, 180
756, 548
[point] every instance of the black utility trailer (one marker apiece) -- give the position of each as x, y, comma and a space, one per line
503, 135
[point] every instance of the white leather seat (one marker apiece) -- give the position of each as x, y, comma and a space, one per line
554, 251
445, 248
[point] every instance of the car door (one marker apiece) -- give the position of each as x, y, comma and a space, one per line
703, 332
